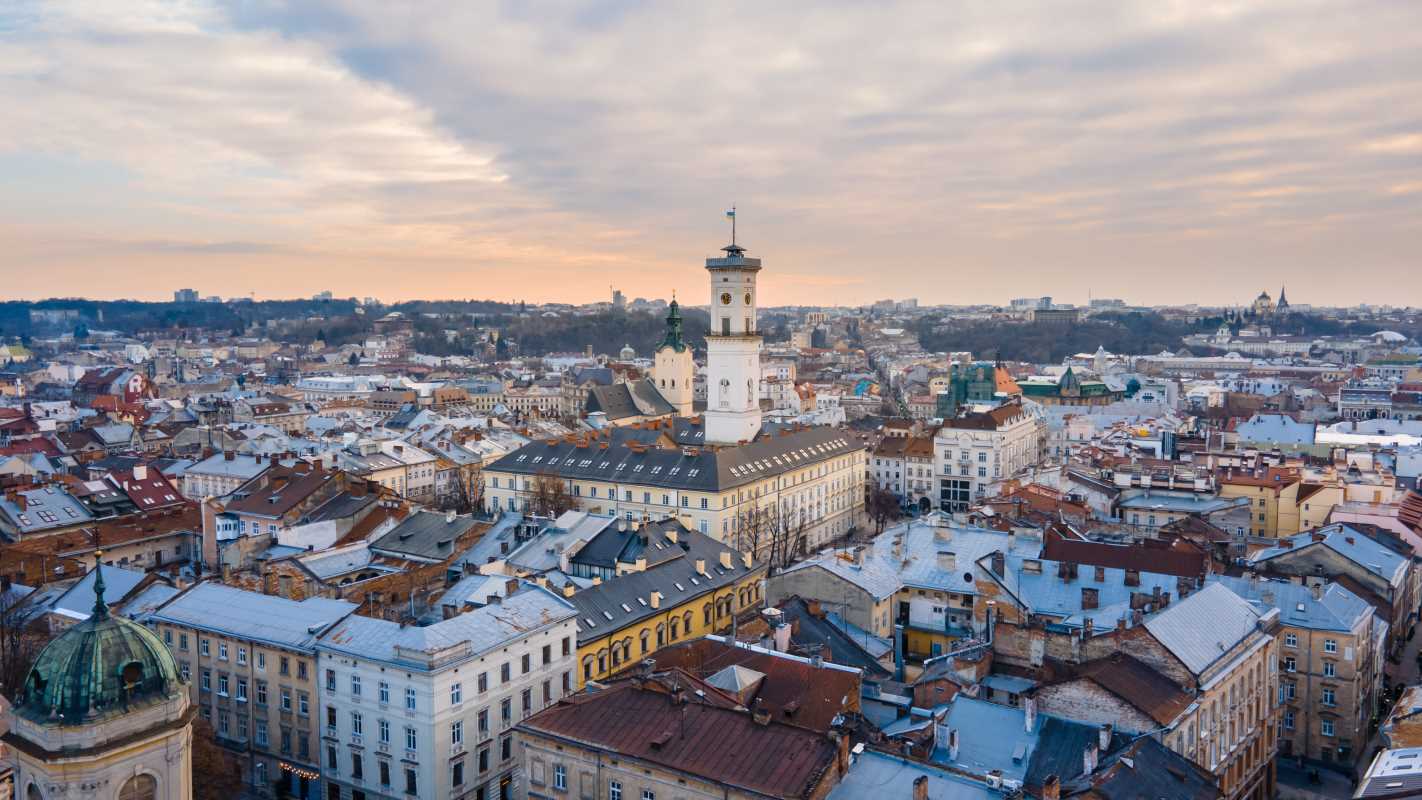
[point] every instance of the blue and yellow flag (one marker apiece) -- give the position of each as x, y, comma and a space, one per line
731, 214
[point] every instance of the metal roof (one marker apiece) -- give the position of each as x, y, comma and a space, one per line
1337, 609
874, 774
250, 615
1203, 627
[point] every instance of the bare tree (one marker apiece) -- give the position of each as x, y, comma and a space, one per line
20, 643
550, 496
882, 506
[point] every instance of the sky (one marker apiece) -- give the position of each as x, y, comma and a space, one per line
1170, 151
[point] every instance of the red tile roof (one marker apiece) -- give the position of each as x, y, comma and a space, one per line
1173, 557
696, 738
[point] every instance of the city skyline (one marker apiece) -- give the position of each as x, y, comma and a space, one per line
1163, 154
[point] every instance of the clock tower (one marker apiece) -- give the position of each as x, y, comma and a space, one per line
732, 349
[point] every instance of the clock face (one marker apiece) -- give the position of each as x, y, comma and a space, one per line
747, 298
725, 298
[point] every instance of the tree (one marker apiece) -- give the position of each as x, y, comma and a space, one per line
81, 331
550, 497
221, 774
20, 645
353, 360
882, 506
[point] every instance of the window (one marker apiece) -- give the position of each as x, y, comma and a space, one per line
241, 690
506, 711
183, 641
261, 661
506, 748
261, 693
284, 666
1327, 727
331, 757
331, 717
1329, 670
483, 759
301, 670
1290, 691
355, 686
526, 663
457, 773
505, 672
222, 651
456, 693
384, 690
139, 787
384, 773
222, 684
647, 794
411, 742
357, 723
1329, 696
527, 701
357, 766
206, 681
260, 733
285, 699
383, 728
330, 680
1291, 664
412, 784
303, 704
614, 790
242, 656
560, 777
567, 645
547, 654
456, 733
1330, 645
168, 637
1288, 720
203, 647
483, 722
410, 699
1291, 640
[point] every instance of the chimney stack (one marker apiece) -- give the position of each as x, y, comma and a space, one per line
1051, 788
1029, 716
920, 788
1104, 737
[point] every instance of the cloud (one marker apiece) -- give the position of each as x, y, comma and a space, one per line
948, 151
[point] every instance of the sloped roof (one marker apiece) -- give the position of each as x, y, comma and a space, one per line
1137, 683
1182, 628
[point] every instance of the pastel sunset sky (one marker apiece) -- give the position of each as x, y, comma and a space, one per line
1166, 151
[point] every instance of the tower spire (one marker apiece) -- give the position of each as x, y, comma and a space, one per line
101, 608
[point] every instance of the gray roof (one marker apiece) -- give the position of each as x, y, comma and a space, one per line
49, 507
1350, 543
1203, 627
253, 616
1044, 592
424, 535
624, 400
1336, 610
882, 574
569, 532
78, 601
614, 604
1275, 429
690, 468
483, 629
242, 466
1178, 502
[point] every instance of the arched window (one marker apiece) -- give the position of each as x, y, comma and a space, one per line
33, 793
686, 623
706, 615
602, 661
674, 622
139, 787
645, 636
587, 668
661, 634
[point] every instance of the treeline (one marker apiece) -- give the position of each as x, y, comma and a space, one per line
1132, 333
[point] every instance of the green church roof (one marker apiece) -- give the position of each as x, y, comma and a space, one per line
103, 665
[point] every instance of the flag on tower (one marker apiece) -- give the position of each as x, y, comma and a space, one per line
731, 214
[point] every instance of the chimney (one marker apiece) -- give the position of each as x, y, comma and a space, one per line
947, 561
920, 788
671, 535
858, 555
746, 560
655, 600
449, 517
999, 563
1104, 737
700, 566
1133, 577
1051, 788
725, 559
229, 455
952, 744
1317, 590
782, 637
1029, 716
511, 587
1088, 758
841, 751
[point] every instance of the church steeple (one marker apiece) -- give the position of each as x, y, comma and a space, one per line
1283, 301
673, 338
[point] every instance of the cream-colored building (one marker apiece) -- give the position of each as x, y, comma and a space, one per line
979, 448
249, 661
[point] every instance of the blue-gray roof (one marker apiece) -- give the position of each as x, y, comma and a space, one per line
49, 507
1337, 609
1275, 429
990, 736
78, 601
483, 629
1203, 627
253, 616
1177, 502
1348, 542
241, 466
1036, 584
880, 775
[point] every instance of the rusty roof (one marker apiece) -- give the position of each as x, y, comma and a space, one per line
696, 738
1174, 557
794, 690
1139, 684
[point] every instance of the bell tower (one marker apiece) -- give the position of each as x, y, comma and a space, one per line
672, 368
732, 349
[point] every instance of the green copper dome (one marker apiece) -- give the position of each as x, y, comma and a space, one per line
103, 665
674, 338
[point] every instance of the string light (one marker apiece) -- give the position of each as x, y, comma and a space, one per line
299, 772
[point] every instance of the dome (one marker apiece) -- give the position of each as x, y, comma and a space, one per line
103, 665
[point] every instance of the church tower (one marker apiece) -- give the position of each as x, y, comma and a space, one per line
672, 368
732, 349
